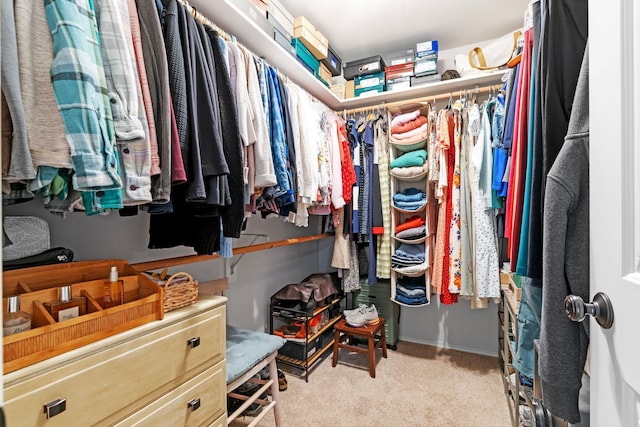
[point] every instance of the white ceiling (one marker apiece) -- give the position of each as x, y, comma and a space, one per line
361, 28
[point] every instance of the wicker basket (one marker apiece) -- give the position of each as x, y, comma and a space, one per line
179, 290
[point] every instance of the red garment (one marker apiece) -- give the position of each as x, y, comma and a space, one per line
406, 127
348, 171
412, 222
519, 154
178, 174
447, 297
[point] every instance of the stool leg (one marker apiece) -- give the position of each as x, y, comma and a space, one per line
336, 343
384, 342
275, 390
372, 357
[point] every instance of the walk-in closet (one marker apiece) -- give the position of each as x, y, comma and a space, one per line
285, 213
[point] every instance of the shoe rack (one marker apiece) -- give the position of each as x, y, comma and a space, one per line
306, 342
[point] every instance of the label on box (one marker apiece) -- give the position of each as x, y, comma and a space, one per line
425, 66
427, 47
365, 83
372, 66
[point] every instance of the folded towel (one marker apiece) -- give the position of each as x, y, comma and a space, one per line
411, 250
412, 282
411, 301
411, 292
410, 206
400, 137
404, 118
409, 171
411, 158
411, 194
413, 124
414, 270
414, 232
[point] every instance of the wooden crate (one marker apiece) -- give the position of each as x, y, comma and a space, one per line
48, 338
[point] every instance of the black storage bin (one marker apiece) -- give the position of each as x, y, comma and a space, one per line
295, 350
333, 62
363, 67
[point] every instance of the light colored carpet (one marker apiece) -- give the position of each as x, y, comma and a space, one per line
416, 386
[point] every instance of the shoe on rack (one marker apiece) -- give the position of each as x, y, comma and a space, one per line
365, 317
359, 309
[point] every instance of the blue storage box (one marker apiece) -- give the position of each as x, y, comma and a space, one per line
305, 55
370, 90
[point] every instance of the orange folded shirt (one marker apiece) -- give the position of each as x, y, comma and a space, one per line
414, 221
406, 127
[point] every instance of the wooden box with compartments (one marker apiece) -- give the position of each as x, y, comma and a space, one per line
142, 302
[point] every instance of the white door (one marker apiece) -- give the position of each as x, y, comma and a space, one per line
614, 56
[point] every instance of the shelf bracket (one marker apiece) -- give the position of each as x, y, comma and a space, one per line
230, 267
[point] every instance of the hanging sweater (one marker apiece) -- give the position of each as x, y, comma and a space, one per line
233, 215
564, 343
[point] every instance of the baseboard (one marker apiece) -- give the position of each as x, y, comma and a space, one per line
481, 351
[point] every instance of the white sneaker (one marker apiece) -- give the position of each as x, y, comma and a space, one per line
360, 309
367, 316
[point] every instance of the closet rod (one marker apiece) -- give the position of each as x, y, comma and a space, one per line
428, 99
204, 20
190, 259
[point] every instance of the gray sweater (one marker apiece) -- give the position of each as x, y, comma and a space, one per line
563, 343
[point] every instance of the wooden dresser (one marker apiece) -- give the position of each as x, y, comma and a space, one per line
168, 372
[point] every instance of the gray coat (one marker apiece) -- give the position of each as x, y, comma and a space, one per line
563, 343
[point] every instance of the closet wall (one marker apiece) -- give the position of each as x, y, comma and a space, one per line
258, 275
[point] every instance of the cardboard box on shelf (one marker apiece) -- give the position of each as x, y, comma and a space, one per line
370, 80
277, 12
301, 21
400, 57
313, 39
350, 89
305, 56
306, 36
363, 67
426, 48
284, 40
399, 70
324, 74
333, 62
340, 91
371, 90
426, 65
399, 83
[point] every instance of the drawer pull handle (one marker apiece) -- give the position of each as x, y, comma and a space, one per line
194, 404
193, 342
55, 407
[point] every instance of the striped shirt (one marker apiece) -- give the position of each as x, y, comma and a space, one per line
80, 91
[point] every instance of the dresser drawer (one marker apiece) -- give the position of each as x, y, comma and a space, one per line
197, 402
121, 378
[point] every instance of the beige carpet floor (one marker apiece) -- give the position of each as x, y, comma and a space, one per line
416, 386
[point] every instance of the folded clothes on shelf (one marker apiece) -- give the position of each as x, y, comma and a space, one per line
410, 158
412, 233
410, 195
411, 300
413, 221
408, 126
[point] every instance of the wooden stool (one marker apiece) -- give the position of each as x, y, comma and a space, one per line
369, 332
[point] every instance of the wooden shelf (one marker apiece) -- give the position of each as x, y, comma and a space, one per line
424, 91
172, 262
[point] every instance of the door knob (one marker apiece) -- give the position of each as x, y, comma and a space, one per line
600, 308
